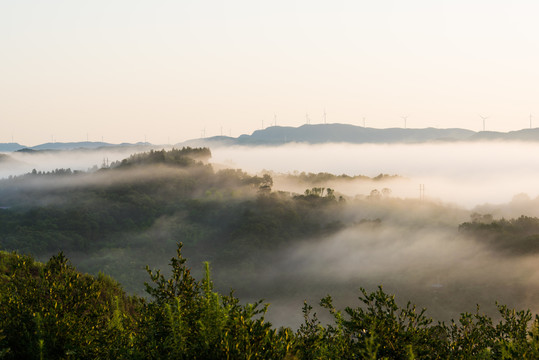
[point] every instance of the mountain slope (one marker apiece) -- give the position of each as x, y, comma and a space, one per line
335, 133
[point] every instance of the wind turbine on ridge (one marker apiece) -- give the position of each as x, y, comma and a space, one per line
484, 118
404, 118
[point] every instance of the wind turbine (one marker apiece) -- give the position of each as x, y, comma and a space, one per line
404, 118
324, 115
484, 118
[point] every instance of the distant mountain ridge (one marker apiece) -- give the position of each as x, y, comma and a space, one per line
11, 147
345, 133
312, 134
324, 133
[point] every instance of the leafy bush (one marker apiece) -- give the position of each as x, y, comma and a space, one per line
186, 319
51, 311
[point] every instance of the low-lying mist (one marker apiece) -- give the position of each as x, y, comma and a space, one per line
20, 162
286, 248
467, 174
412, 248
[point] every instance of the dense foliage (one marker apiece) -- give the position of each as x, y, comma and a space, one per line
512, 236
51, 311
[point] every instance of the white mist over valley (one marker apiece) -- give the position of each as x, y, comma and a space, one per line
466, 174
407, 241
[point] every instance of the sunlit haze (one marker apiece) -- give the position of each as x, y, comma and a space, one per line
273, 179
465, 174
167, 71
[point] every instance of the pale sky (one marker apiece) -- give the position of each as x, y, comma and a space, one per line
126, 70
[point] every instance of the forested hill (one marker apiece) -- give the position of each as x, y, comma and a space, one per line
132, 213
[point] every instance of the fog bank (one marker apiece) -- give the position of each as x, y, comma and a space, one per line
467, 174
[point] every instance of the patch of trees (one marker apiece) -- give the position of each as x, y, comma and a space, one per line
186, 156
324, 177
55, 172
512, 236
52, 311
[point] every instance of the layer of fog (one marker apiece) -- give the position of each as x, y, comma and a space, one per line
412, 248
467, 174
18, 163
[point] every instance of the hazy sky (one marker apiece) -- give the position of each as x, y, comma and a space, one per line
165, 70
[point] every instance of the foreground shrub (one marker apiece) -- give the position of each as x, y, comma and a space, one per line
51, 311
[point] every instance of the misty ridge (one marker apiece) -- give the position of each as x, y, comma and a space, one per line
296, 222
352, 134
